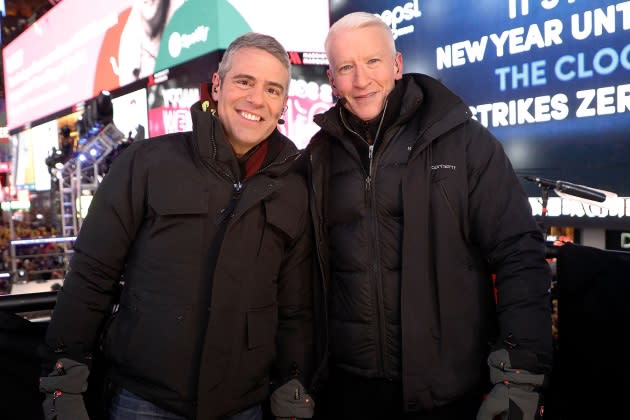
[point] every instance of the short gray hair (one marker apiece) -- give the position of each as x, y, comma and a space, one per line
358, 20
254, 40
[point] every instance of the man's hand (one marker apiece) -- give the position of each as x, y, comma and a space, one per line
291, 402
63, 388
514, 395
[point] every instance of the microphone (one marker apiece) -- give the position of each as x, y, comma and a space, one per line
570, 188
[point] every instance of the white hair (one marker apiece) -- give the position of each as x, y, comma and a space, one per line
358, 20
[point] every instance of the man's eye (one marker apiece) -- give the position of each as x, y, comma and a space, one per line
373, 61
274, 91
242, 82
345, 68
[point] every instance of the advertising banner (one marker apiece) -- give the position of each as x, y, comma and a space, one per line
80, 48
309, 94
33, 147
130, 114
169, 106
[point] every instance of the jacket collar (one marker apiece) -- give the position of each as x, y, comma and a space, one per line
211, 146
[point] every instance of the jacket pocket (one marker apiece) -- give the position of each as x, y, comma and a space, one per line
150, 334
256, 361
173, 232
170, 203
282, 217
169, 193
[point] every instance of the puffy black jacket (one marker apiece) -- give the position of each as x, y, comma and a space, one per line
196, 338
407, 248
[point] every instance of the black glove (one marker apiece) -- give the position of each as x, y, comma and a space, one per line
292, 401
514, 395
63, 388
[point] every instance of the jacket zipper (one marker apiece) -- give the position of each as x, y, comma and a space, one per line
368, 178
320, 226
237, 185
237, 188
228, 211
376, 269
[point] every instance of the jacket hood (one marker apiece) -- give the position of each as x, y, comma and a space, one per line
209, 141
441, 109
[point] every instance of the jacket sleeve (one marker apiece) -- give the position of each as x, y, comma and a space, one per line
502, 223
97, 263
294, 338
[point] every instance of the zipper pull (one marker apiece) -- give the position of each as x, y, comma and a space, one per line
238, 187
228, 211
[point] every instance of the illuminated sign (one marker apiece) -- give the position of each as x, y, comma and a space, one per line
618, 207
400, 17
169, 108
618, 240
315, 58
309, 95
130, 114
79, 48
15, 205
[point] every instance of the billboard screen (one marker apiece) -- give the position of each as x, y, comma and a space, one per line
169, 106
130, 114
80, 48
33, 146
309, 94
549, 78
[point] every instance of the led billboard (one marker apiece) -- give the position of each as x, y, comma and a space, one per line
80, 48
130, 114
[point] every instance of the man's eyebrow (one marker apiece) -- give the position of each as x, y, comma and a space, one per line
253, 79
243, 76
276, 84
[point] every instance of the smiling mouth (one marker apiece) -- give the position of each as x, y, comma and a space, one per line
366, 96
249, 116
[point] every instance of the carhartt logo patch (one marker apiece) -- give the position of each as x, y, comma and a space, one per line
443, 166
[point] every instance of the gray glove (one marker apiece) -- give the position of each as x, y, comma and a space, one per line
514, 394
63, 388
292, 401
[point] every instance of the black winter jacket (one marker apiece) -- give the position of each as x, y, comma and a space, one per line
197, 339
407, 249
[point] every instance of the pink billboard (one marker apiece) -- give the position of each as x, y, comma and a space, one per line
53, 64
80, 48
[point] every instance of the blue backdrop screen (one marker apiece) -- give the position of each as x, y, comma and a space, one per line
549, 78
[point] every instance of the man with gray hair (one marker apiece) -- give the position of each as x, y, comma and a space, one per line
416, 207
207, 235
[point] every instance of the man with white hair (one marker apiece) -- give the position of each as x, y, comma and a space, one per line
416, 209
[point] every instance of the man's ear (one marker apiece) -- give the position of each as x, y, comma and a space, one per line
331, 80
398, 65
216, 85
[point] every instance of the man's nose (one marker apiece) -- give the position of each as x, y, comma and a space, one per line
361, 78
255, 95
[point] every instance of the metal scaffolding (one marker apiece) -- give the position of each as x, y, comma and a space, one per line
81, 175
